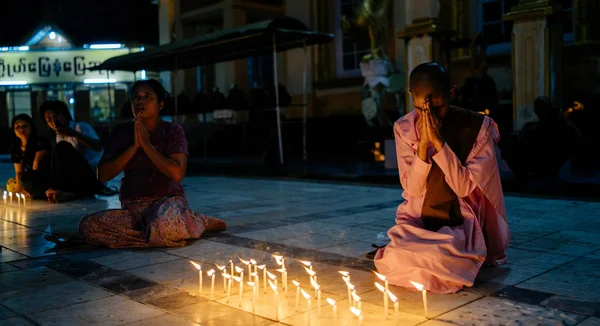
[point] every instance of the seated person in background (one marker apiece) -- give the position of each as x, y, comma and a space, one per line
153, 155
75, 156
30, 154
453, 219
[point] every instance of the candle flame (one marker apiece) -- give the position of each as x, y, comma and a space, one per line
331, 301
225, 275
419, 286
379, 287
381, 277
252, 261
220, 267
296, 283
305, 295
261, 266
237, 279
355, 311
315, 284
198, 267
271, 275
239, 269
281, 270
279, 259
344, 273
351, 286
254, 274
251, 284
273, 286
311, 273
355, 296
245, 262
346, 279
392, 296
305, 263
210, 272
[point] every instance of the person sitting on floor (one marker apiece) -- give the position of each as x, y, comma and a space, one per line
453, 219
30, 154
153, 155
75, 156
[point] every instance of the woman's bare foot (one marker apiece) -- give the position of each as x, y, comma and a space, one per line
215, 224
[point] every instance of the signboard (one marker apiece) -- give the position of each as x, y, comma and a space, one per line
34, 67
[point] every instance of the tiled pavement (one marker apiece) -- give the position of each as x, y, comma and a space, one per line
551, 279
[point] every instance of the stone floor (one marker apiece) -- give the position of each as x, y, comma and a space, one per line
551, 279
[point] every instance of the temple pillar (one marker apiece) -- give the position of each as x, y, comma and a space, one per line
425, 41
536, 57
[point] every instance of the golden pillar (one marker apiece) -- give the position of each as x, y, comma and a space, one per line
536, 57
426, 40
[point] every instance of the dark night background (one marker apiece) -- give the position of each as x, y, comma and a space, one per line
83, 21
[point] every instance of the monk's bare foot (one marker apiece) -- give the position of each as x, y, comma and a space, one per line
58, 196
215, 224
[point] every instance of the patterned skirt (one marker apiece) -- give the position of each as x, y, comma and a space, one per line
164, 222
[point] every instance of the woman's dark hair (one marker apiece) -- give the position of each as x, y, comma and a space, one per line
157, 87
56, 106
16, 142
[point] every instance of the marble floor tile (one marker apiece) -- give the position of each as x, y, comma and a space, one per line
357, 249
591, 321
522, 257
562, 246
493, 311
51, 296
5, 313
7, 255
6, 267
581, 307
16, 321
165, 319
509, 274
314, 241
115, 310
565, 282
270, 234
132, 259
30, 279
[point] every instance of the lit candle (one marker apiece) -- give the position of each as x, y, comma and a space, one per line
385, 299
358, 314
10, 196
199, 268
247, 263
276, 299
253, 285
281, 261
306, 263
311, 273
272, 277
421, 288
228, 277
395, 301
18, 199
222, 269
240, 280
24, 200
334, 307
240, 271
231, 267
264, 269
253, 262
385, 280
345, 275
4, 197
356, 299
317, 288
297, 284
212, 273
350, 289
307, 297
255, 277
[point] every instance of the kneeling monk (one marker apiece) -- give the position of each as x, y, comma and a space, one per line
453, 219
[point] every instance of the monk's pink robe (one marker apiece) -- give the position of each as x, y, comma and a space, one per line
446, 260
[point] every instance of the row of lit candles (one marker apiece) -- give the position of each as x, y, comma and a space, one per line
269, 278
9, 196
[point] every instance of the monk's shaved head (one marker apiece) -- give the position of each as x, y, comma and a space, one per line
432, 76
